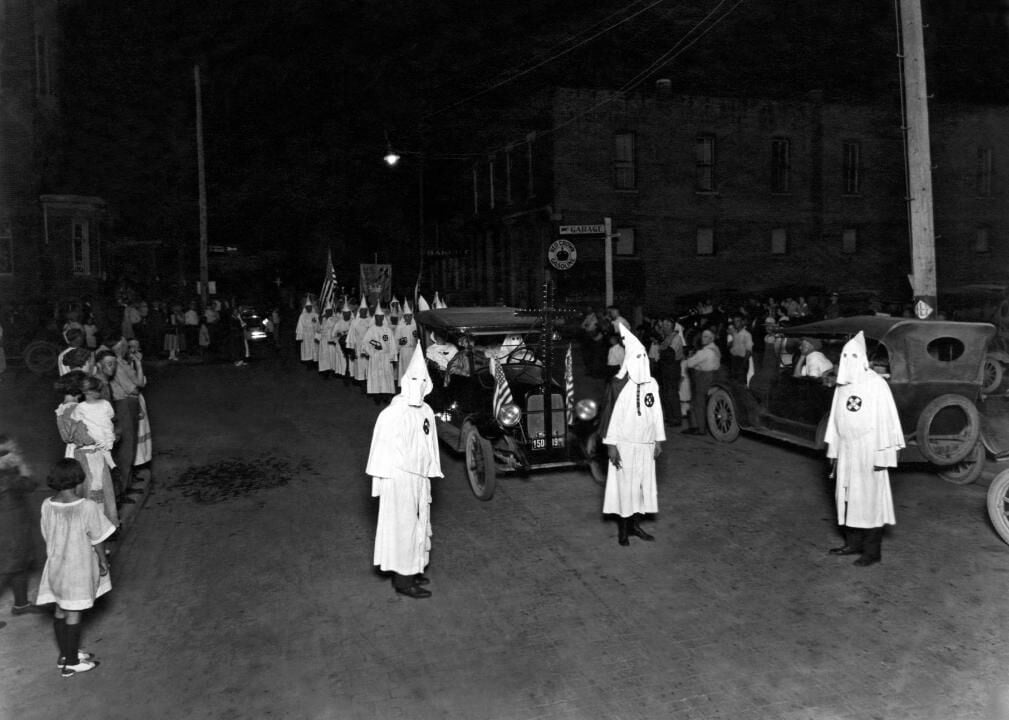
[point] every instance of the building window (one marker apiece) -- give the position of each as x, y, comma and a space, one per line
849, 241
529, 168
779, 241
705, 241
982, 240
623, 161
781, 165
624, 244
6, 247
704, 157
852, 168
982, 177
81, 247
43, 82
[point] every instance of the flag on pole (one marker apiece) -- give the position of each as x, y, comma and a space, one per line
569, 386
328, 283
502, 393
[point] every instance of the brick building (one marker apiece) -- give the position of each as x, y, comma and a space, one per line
718, 194
50, 240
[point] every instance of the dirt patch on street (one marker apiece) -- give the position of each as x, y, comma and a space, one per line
229, 479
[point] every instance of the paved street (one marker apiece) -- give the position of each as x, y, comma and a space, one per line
246, 591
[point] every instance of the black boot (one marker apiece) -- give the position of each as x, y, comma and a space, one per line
636, 530
622, 523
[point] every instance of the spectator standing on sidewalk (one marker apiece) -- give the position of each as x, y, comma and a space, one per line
16, 556
404, 457
632, 429
670, 373
76, 572
740, 350
122, 389
703, 365
863, 437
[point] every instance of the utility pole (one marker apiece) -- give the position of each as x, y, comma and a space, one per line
204, 274
919, 161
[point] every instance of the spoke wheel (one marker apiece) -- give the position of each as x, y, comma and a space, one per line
998, 504
723, 422
991, 379
40, 356
967, 470
480, 470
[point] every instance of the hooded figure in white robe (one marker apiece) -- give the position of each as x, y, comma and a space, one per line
406, 337
863, 436
338, 335
327, 348
305, 331
379, 347
404, 457
631, 427
358, 327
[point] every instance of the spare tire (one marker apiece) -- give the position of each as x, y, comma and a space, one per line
992, 374
948, 428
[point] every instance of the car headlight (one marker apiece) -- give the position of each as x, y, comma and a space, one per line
509, 415
586, 409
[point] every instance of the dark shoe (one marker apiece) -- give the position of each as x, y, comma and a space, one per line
636, 531
28, 609
844, 550
421, 580
690, 431
414, 591
866, 560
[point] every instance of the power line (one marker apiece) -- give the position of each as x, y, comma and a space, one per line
549, 59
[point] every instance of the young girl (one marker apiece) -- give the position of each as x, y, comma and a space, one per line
76, 571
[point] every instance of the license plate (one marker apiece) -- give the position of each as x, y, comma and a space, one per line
558, 442
539, 443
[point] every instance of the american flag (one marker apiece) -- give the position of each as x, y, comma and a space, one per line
502, 393
569, 386
328, 283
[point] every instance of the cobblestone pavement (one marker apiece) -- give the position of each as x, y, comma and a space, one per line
263, 604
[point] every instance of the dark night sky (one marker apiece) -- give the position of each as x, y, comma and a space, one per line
299, 94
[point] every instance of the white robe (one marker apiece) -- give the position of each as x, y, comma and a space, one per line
863, 432
308, 324
327, 350
339, 331
406, 341
635, 425
358, 327
379, 345
404, 457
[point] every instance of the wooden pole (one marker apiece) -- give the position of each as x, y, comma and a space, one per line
608, 258
204, 273
919, 160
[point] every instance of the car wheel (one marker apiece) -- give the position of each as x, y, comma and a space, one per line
40, 356
723, 421
967, 470
480, 470
948, 429
991, 379
998, 504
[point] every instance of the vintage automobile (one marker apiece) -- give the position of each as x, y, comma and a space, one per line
532, 432
934, 369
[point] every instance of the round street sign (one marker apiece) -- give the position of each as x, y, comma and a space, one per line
562, 254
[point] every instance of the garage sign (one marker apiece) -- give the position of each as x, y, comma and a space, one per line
562, 254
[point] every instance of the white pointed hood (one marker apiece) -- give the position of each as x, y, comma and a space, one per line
635, 364
363, 306
422, 304
407, 310
378, 309
346, 306
416, 381
854, 363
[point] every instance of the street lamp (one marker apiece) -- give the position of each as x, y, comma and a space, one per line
391, 158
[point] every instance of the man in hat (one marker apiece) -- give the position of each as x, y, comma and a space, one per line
358, 327
380, 350
404, 457
406, 338
305, 330
811, 363
863, 437
632, 429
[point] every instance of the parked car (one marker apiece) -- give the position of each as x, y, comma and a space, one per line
933, 367
530, 433
255, 324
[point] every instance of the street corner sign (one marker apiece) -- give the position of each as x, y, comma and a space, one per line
562, 254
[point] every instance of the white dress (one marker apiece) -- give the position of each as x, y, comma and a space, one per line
71, 577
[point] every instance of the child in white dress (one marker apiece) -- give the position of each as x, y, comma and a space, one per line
97, 415
76, 570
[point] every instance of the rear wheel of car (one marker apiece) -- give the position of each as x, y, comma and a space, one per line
723, 422
480, 469
948, 429
998, 504
40, 356
967, 470
991, 379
